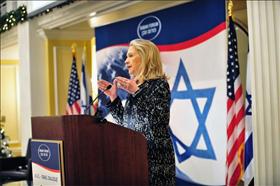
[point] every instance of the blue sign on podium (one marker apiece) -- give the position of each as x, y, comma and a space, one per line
47, 162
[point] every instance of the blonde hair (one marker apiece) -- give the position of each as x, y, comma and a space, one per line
151, 66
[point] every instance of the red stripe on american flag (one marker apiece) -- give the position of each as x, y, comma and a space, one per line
229, 104
236, 119
231, 127
238, 142
77, 108
236, 175
240, 115
238, 93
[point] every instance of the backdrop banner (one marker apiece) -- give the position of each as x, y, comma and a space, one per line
192, 40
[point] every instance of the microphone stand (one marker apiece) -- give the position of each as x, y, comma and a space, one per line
97, 117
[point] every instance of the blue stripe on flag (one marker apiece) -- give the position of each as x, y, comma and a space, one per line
248, 150
84, 92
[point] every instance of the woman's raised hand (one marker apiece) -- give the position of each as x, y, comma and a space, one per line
112, 92
128, 85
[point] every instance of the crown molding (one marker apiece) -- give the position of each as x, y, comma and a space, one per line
9, 38
77, 12
138, 7
65, 34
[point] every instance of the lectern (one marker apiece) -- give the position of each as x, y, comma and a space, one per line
96, 153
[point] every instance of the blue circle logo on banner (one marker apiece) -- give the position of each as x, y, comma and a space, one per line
149, 28
44, 152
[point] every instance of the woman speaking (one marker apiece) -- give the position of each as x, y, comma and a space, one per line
147, 109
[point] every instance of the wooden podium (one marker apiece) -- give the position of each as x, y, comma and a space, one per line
96, 153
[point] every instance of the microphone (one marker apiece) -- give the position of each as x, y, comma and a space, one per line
92, 101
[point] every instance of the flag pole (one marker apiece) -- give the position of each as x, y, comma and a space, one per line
84, 50
230, 6
74, 46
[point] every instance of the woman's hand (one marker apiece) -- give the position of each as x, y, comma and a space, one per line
112, 92
128, 85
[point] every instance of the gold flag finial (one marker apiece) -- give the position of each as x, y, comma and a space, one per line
84, 53
74, 46
230, 5
85, 47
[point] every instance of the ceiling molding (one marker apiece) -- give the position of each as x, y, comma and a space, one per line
78, 12
139, 8
9, 38
65, 34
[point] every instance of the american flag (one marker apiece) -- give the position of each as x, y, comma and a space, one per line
235, 113
73, 102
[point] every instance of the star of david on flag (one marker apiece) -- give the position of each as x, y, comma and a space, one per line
201, 116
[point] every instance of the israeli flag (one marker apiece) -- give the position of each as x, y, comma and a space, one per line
249, 161
84, 88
